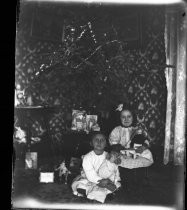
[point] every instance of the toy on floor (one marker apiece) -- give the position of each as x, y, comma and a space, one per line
63, 171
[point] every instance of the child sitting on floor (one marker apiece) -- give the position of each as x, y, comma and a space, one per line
99, 176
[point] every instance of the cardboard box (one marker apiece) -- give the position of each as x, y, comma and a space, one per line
46, 177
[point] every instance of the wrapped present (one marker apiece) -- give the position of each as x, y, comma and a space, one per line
46, 177
91, 123
83, 122
46, 173
78, 120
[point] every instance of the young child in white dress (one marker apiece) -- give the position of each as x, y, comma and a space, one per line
99, 176
121, 136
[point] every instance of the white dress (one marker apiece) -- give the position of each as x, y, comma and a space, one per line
95, 168
121, 135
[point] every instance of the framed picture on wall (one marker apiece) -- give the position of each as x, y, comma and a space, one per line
47, 26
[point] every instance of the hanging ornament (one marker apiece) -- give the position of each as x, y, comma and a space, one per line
82, 33
91, 32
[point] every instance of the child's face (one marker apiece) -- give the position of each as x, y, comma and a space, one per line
99, 142
126, 118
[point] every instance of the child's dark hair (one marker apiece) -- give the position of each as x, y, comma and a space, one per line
94, 133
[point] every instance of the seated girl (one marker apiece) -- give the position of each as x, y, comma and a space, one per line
100, 175
121, 140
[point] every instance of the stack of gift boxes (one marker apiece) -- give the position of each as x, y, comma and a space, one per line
84, 122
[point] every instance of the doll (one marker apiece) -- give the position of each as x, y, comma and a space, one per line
63, 171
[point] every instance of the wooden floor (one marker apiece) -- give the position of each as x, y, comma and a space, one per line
163, 187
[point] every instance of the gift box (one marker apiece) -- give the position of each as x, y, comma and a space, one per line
83, 122
78, 120
46, 173
46, 177
91, 123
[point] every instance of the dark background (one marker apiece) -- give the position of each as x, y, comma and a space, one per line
127, 70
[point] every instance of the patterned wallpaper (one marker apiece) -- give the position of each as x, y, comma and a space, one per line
140, 82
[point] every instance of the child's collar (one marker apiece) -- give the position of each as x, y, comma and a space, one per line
99, 154
125, 126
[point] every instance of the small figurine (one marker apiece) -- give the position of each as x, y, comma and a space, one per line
63, 171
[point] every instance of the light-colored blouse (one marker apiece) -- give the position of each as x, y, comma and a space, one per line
123, 136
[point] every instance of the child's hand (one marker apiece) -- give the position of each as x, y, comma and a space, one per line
111, 187
104, 182
107, 183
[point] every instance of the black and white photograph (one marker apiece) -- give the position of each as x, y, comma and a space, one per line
100, 105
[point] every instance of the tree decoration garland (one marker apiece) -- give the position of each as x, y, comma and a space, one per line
69, 57
92, 33
51, 73
83, 32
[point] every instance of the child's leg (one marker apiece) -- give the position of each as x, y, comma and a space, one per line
140, 176
110, 197
81, 191
127, 177
79, 186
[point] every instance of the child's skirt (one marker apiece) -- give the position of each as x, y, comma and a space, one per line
93, 191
